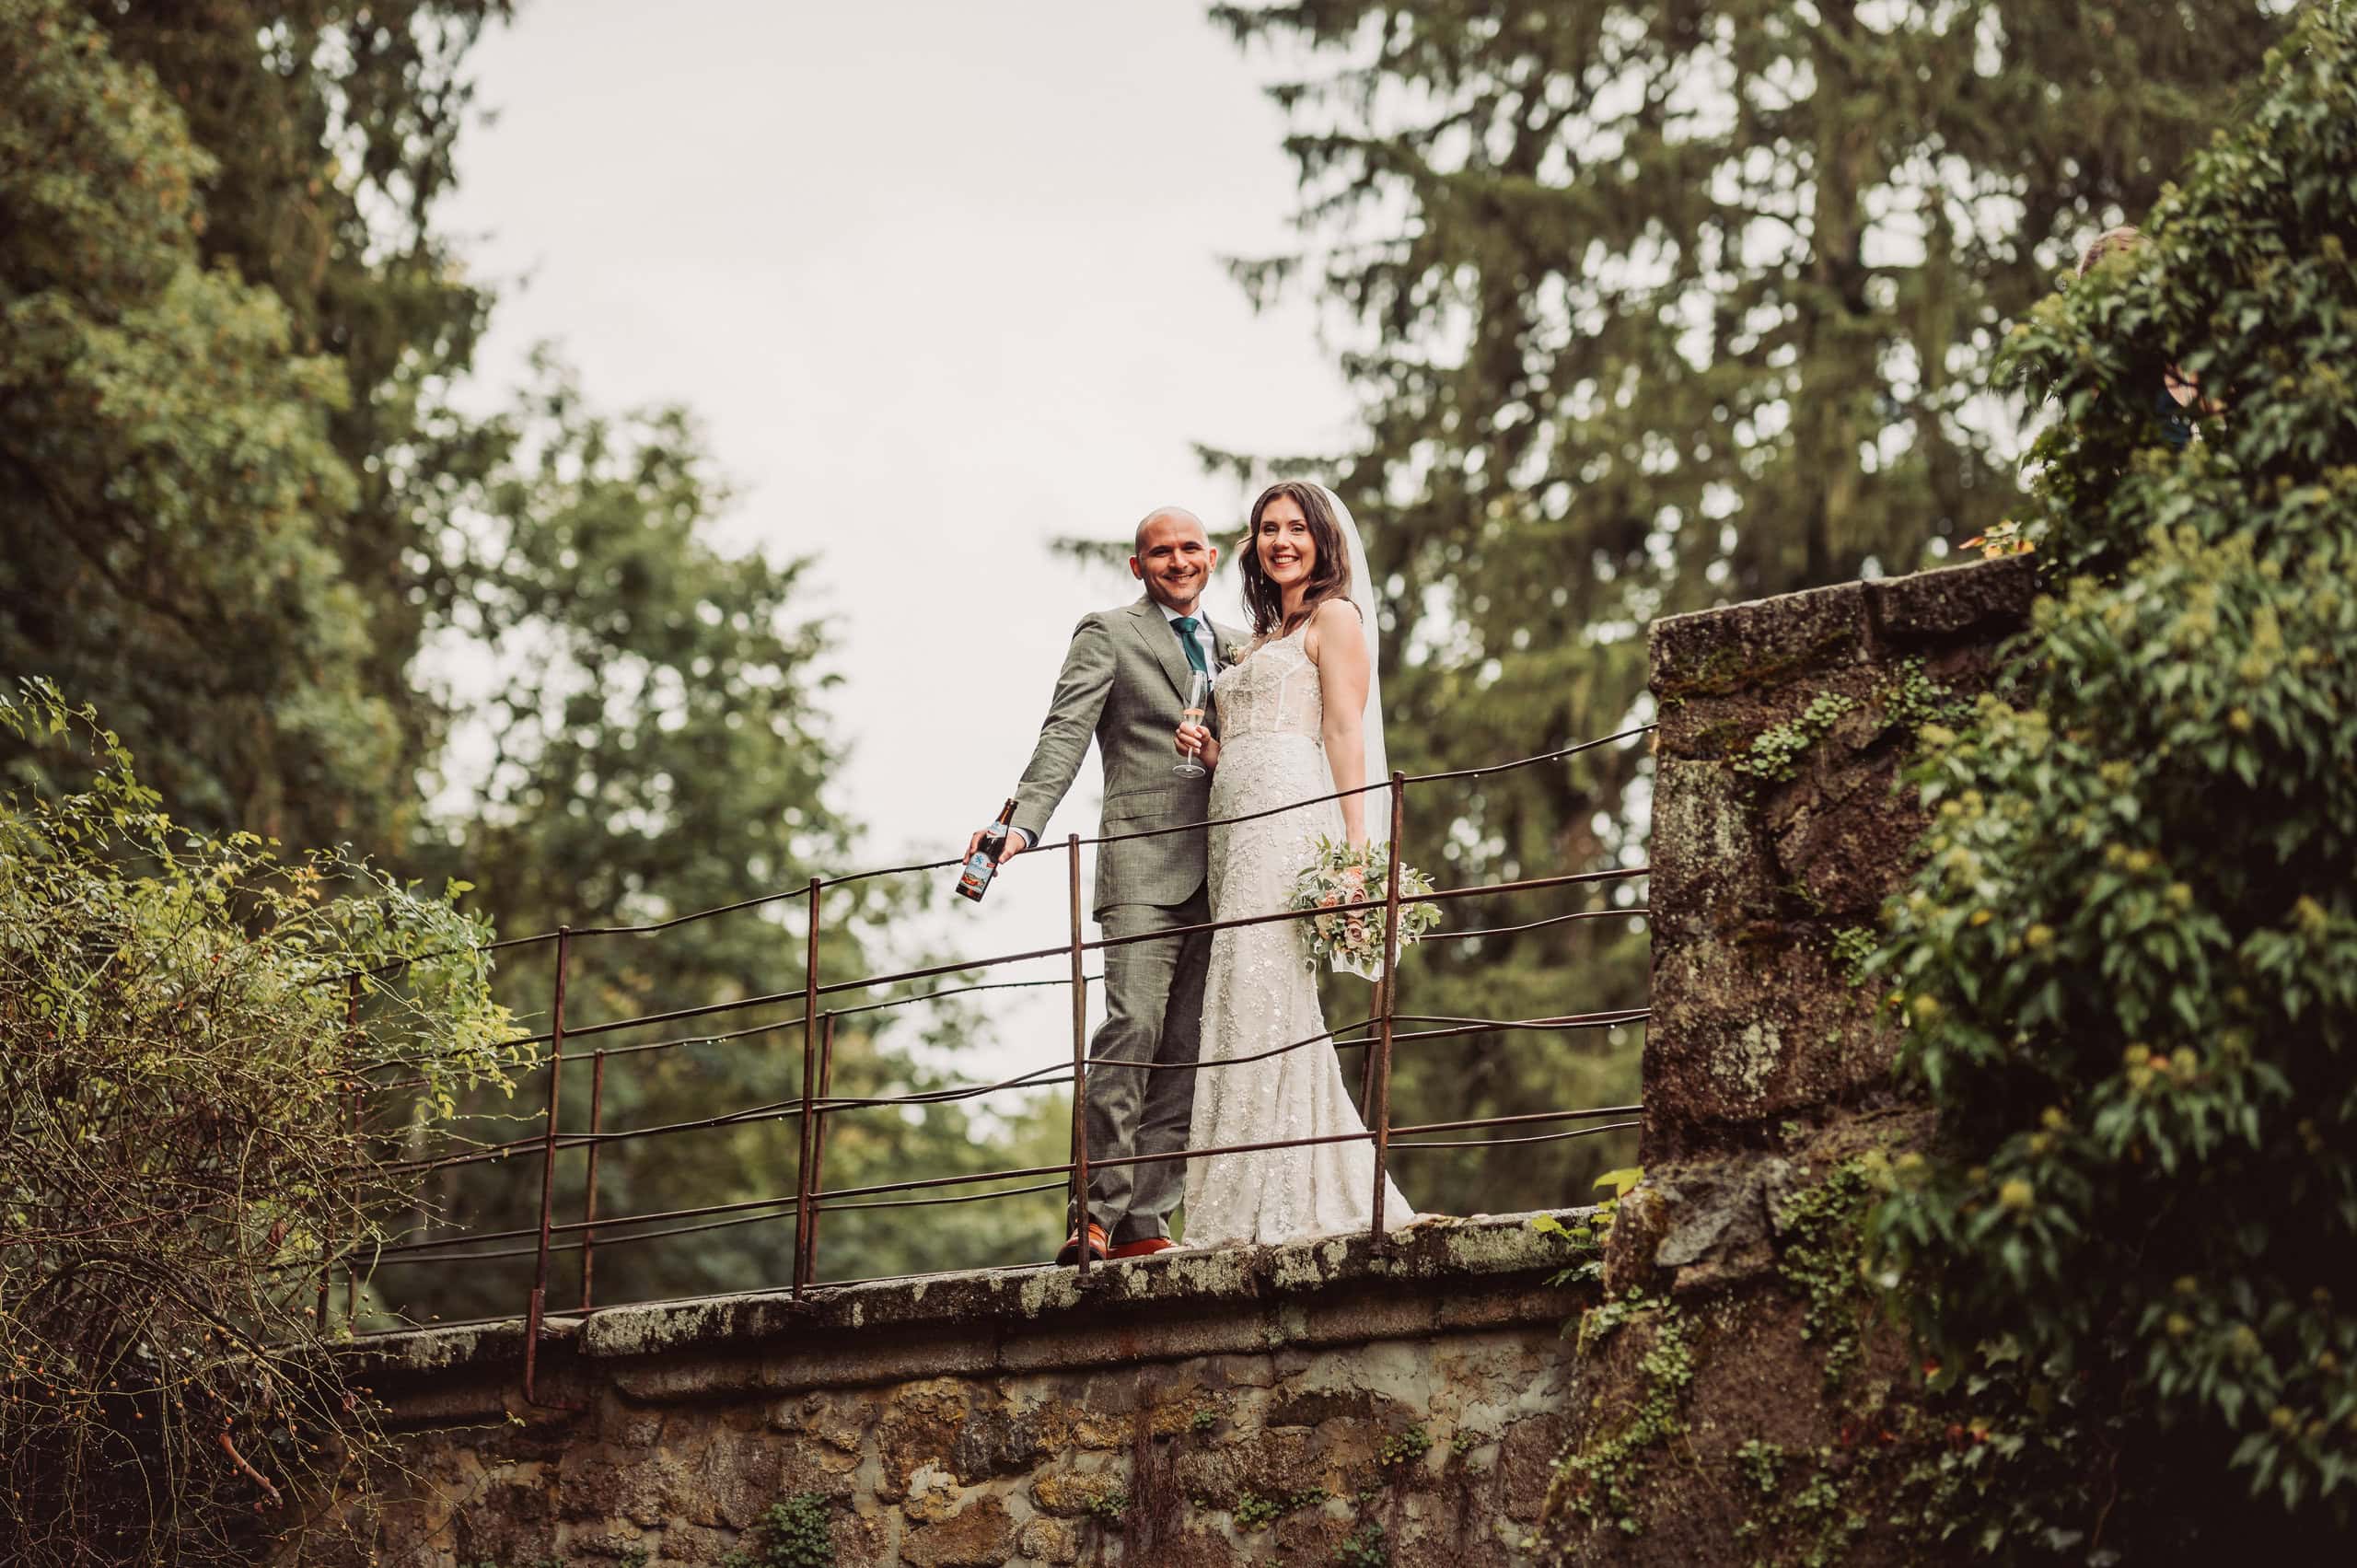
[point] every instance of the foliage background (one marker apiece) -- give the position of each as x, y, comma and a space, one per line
180, 1020
2128, 966
1652, 307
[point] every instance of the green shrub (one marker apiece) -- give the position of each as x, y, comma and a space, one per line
796, 1532
177, 1160
2127, 967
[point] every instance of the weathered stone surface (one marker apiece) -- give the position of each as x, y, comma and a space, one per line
1711, 864
1277, 1463
1719, 1215
1048, 1540
1308, 1407
921, 1425
1755, 1023
977, 1537
1527, 1464
1982, 603
1774, 640
688, 1543
1069, 1494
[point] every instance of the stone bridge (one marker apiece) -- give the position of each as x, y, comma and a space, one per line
1320, 1403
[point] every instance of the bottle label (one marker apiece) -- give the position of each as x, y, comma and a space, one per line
977, 875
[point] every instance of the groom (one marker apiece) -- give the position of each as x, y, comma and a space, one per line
1123, 683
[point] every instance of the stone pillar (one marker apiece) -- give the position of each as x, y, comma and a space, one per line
1778, 826
1738, 1397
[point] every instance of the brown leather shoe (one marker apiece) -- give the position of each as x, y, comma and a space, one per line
1144, 1247
1070, 1251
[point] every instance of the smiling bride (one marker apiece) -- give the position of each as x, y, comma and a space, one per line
1301, 718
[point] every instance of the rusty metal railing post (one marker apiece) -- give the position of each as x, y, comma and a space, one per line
1079, 1063
802, 1159
1379, 1111
817, 1183
590, 1184
548, 1171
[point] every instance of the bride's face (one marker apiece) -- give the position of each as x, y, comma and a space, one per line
1287, 551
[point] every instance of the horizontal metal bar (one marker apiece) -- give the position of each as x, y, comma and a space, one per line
650, 928
961, 1198
1635, 911
1502, 1142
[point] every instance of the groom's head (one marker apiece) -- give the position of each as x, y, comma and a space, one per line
1174, 557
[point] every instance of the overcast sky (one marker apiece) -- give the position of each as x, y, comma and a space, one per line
942, 280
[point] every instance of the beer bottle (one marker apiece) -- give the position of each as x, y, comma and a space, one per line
982, 865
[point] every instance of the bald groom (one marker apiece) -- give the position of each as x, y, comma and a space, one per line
1123, 683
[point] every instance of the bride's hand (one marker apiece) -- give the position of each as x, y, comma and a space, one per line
1195, 740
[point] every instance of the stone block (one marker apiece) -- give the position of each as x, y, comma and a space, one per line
1709, 856
1720, 1217
601, 1483
1048, 1540
919, 1426
506, 1525
1069, 1494
1308, 1407
627, 1425
1768, 642
1276, 1463
1749, 1032
611, 1543
1983, 601
1843, 833
980, 1537
997, 1441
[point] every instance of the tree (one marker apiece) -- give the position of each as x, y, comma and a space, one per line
2128, 966
181, 1017
244, 515
652, 744
165, 456
1654, 307
333, 128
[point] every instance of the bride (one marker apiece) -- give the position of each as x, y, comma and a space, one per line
1301, 716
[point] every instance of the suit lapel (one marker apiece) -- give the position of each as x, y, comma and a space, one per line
1146, 618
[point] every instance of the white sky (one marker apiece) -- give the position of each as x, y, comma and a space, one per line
942, 280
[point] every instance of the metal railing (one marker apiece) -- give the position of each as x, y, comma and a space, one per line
1376, 1035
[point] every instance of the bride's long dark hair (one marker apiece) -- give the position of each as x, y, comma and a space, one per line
1329, 574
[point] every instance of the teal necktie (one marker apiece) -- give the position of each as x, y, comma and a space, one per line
1185, 626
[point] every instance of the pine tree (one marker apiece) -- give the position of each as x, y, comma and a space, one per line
1654, 307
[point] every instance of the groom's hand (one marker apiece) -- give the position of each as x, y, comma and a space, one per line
1016, 842
1197, 742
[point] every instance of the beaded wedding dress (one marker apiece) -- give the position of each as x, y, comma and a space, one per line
1260, 997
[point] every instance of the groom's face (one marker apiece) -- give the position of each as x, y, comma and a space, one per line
1174, 560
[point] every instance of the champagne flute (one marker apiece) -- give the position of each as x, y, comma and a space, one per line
1199, 691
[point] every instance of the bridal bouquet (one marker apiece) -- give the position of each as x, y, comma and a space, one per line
1345, 874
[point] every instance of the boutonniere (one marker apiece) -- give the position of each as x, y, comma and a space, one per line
1232, 654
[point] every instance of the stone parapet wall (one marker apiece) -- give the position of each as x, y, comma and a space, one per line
1248, 1405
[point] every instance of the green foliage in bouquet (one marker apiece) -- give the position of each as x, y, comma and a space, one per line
2127, 967
1348, 874
178, 1158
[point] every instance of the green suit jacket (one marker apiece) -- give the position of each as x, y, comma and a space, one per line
1122, 683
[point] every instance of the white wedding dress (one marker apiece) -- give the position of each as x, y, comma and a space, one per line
1259, 993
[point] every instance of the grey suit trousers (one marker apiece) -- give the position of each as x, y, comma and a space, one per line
1154, 997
